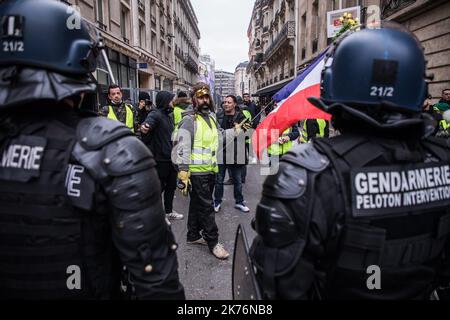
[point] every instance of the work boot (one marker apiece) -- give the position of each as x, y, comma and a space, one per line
219, 252
174, 216
200, 241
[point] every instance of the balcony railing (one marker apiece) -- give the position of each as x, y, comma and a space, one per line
141, 5
259, 57
190, 63
287, 32
102, 26
389, 7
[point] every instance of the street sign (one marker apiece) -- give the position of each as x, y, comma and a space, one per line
142, 65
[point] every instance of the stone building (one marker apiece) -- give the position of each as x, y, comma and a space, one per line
241, 79
142, 37
285, 36
224, 84
187, 37
430, 22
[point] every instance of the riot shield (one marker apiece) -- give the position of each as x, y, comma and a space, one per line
245, 286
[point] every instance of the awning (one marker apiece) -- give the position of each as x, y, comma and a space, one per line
271, 90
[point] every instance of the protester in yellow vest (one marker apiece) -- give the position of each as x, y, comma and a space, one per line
181, 104
195, 154
314, 128
444, 126
118, 110
284, 143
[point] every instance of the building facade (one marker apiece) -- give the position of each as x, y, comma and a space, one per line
285, 36
271, 35
224, 84
241, 79
430, 22
142, 37
187, 37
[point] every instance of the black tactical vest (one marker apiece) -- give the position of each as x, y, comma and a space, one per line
395, 199
49, 247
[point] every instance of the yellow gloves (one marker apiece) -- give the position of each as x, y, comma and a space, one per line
184, 183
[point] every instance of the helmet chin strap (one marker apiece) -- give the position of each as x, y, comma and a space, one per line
393, 120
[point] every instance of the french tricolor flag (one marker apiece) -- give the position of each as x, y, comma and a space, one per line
292, 106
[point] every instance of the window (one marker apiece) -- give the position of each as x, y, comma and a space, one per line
123, 23
142, 41
102, 77
351, 3
100, 11
336, 4
124, 76
153, 48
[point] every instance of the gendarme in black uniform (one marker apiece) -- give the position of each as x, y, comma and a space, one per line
79, 195
363, 215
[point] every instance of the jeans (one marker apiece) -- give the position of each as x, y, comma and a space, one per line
236, 175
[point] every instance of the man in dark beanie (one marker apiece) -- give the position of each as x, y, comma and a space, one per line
144, 107
157, 132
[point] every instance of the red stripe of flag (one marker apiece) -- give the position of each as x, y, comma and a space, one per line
291, 110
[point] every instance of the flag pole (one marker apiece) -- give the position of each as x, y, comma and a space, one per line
272, 102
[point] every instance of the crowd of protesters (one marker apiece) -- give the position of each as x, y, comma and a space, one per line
226, 133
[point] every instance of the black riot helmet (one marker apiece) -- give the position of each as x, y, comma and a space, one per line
382, 68
48, 52
46, 34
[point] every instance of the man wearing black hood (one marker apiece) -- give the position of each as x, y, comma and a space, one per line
157, 132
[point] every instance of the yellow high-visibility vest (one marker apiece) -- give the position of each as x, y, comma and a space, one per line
129, 122
206, 144
304, 134
276, 149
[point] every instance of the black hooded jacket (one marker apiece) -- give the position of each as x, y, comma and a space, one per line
159, 138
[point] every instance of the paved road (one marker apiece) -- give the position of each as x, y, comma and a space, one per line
204, 277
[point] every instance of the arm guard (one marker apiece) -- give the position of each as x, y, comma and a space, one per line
124, 167
282, 222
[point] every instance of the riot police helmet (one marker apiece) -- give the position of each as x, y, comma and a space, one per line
48, 52
381, 68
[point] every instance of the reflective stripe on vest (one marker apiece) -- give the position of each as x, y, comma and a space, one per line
206, 143
129, 122
276, 149
177, 115
444, 124
247, 114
